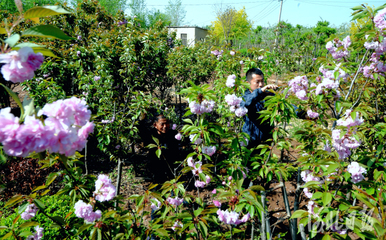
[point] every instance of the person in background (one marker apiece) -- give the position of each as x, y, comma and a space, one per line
254, 101
163, 167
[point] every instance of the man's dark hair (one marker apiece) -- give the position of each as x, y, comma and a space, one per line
158, 117
253, 71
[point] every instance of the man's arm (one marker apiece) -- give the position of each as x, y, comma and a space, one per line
250, 99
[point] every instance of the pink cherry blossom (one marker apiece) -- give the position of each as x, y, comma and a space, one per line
356, 172
379, 19
178, 136
210, 150
176, 225
199, 184
233, 100
312, 114
174, 126
231, 81
29, 212
217, 203
175, 201
155, 204
231, 217
85, 211
232, 53
197, 141
241, 111
37, 235
214, 191
104, 189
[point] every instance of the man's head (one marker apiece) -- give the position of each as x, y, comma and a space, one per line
162, 124
255, 77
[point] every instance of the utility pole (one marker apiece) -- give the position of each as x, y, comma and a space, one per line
277, 29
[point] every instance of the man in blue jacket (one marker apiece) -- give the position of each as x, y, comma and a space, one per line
254, 102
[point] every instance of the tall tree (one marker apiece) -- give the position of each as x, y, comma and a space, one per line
156, 15
138, 9
111, 6
176, 12
230, 24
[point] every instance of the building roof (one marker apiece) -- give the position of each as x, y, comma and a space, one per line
187, 27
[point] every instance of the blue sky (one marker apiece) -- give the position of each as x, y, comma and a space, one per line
266, 12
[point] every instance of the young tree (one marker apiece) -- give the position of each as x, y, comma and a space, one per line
156, 15
176, 12
138, 9
230, 24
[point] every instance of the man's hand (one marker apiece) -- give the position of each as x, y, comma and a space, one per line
269, 86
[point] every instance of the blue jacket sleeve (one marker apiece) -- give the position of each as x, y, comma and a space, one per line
251, 99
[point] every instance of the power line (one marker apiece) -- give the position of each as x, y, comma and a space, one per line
202, 4
322, 3
259, 13
271, 10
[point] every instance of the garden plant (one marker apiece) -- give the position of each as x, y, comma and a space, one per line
91, 78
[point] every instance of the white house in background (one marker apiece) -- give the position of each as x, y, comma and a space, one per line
189, 35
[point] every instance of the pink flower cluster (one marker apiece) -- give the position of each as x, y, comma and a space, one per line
231, 217
311, 206
299, 86
312, 114
343, 144
37, 235
234, 102
231, 81
217, 53
196, 170
210, 150
217, 203
306, 177
232, 52
326, 84
20, 65
205, 107
176, 225
64, 131
178, 136
376, 64
175, 201
356, 172
197, 141
84, 210
155, 204
379, 20
29, 212
338, 49
330, 73
104, 189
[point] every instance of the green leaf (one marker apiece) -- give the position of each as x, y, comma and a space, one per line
39, 204
14, 200
8, 235
15, 98
299, 214
25, 234
326, 198
158, 153
48, 31
326, 237
59, 219
3, 227
28, 224
39, 188
162, 232
37, 48
12, 40
44, 11
29, 109
357, 8
3, 31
